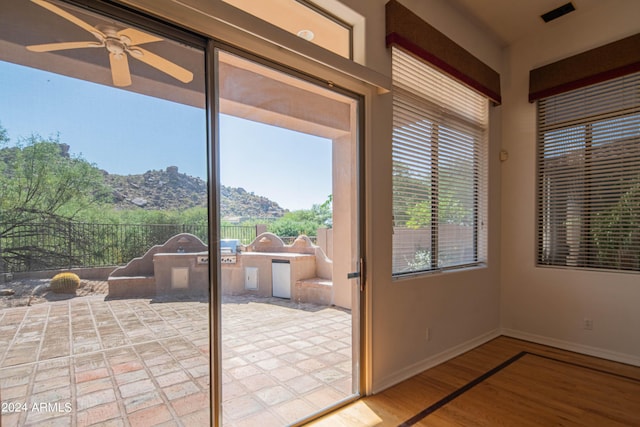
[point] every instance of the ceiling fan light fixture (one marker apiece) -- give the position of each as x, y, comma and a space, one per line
136, 52
308, 35
115, 46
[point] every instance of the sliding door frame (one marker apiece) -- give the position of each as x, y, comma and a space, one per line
359, 304
361, 95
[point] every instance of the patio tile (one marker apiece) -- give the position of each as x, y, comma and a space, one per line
94, 385
98, 414
11, 419
294, 410
165, 368
89, 362
142, 401
129, 377
243, 371
150, 416
257, 382
172, 378
122, 355
18, 393
44, 384
270, 364
91, 375
200, 371
49, 419
200, 418
273, 372
127, 367
240, 407
177, 391
135, 388
232, 390
191, 403
285, 373
95, 399
160, 359
281, 349
59, 394
256, 356
329, 375
294, 357
303, 384
323, 397
343, 386
272, 396
264, 419
310, 365
194, 362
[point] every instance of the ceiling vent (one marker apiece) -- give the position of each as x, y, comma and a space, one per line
558, 12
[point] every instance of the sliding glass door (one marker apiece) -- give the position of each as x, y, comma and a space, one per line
288, 295
103, 178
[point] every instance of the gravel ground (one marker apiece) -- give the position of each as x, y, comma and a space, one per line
20, 293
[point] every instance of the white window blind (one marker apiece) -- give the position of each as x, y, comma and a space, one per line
439, 155
589, 176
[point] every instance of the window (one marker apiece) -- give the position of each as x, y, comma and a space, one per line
439, 169
589, 176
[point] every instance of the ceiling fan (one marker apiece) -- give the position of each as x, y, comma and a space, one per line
118, 44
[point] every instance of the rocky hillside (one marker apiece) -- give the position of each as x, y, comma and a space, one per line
170, 189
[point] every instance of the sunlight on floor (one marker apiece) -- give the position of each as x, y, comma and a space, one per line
356, 414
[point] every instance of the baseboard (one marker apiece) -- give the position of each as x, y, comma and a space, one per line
435, 360
575, 347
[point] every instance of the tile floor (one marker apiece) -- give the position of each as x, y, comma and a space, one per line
140, 362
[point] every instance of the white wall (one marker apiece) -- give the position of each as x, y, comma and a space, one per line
461, 309
548, 305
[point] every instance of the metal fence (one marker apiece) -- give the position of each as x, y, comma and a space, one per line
36, 247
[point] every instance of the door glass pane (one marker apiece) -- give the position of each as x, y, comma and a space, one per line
288, 312
103, 168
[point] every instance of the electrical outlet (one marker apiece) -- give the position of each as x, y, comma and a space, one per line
587, 324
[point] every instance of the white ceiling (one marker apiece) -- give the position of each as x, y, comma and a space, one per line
511, 20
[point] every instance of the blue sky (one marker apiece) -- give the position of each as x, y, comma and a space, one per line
127, 133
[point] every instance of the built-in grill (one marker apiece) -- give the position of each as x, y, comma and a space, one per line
228, 250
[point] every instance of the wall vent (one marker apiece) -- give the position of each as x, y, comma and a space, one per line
558, 12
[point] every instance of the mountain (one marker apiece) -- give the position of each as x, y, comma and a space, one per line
172, 190
153, 190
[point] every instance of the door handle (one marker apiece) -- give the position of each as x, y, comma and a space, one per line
358, 274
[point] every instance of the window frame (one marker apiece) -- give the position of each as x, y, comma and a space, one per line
449, 120
589, 122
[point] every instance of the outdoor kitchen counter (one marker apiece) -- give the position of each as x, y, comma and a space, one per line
253, 271
276, 255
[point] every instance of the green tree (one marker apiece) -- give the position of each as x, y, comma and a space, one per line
413, 206
304, 221
616, 231
42, 188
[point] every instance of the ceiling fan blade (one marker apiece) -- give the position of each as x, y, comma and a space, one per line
164, 65
120, 69
50, 47
69, 17
138, 37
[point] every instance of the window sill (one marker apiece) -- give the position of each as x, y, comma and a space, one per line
442, 271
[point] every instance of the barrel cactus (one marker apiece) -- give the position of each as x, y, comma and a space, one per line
65, 283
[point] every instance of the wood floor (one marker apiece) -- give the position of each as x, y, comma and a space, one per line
506, 382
